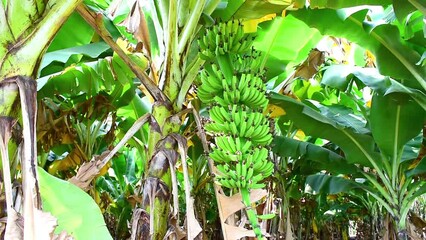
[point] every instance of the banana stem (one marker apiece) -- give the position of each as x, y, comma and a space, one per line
211, 6
251, 214
226, 66
190, 27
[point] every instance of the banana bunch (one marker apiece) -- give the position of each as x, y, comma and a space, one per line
232, 85
224, 38
249, 62
241, 123
248, 90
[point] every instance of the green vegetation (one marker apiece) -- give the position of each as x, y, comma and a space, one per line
213, 119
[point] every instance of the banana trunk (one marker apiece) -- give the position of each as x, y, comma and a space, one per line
26, 29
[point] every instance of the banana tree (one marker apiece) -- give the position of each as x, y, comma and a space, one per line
164, 33
406, 81
394, 121
176, 71
167, 33
26, 30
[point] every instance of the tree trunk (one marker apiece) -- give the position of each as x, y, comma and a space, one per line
26, 29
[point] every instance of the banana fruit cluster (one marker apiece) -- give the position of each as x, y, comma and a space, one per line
246, 89
249, 62
232, 84
224, 38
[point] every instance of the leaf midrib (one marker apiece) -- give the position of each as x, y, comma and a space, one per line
397, 54
371, 160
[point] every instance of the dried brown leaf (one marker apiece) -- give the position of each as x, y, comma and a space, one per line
175, 231
45, 224
193, 226
135, 23
32, 200
15, 226
306, 70
62, 236
232, 204
114, 6
89, 170
310, 66
140, 219
2, 225
233, 232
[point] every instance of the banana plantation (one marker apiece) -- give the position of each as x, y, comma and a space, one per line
212, 119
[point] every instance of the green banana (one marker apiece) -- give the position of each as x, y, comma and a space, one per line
250, 173
249, 63
232, 83
256, 186
223, 168
218, 155
243, 127
212, 82
266, 216
216, 115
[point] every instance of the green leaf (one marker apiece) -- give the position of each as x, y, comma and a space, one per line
226, 9
340, 76
136, 108
75, 210
336, 4
64, 83
417, 95
321, 183
130, 113
124, 168
249, 9
125, 217
102, 4
320, 158
394, 121
344, 117
411, 149
88, 80
108, 184
119, 166
394, 57
308, 90
283, 46
123, 96
121, 69
131, 167
398, 60
74, 32
402, 8
358, 148
420, 168
92, 50
89, 83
